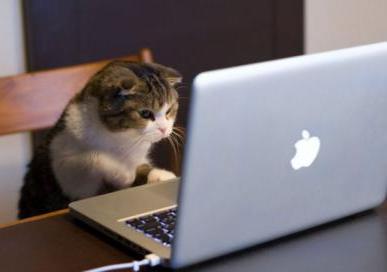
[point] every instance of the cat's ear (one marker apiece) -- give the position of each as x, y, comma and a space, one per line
127, 88
126, 92
172, 76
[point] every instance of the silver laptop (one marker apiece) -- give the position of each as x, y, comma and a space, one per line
273, 148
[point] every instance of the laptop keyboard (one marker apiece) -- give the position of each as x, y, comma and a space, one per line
159, 226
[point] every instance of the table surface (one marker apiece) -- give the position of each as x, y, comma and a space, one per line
60, 243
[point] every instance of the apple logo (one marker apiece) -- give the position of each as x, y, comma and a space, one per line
306, 151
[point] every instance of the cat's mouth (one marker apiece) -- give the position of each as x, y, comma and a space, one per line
154, 137
163, 135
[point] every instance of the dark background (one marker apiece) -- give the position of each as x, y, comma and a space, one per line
191, 36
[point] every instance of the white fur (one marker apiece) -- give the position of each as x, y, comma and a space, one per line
86, 153
158, 175
161, 121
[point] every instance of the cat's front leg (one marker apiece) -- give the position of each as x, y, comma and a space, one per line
158, 175
84, 174
114, 173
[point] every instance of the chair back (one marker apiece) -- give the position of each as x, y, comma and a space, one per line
36, 100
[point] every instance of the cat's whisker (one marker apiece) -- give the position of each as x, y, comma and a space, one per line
177, 134
181, 85
177, 148
181, 134
179, 129
178, 137
129, 149
173, 138
173, 147
180, 142
137, 142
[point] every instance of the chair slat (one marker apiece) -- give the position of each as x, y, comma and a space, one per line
33, 101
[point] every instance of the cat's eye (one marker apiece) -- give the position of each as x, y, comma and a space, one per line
169, 110
146, 114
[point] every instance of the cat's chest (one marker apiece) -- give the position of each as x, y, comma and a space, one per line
124, 153
127, 152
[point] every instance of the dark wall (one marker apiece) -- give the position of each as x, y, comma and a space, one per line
191, 36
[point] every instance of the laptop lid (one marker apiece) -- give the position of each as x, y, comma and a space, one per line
240, 185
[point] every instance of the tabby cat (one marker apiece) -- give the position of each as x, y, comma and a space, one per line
102, 140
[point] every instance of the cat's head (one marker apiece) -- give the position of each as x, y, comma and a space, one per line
140, 97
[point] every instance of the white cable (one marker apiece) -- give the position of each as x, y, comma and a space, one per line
150, 259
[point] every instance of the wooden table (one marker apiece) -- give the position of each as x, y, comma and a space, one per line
59, 243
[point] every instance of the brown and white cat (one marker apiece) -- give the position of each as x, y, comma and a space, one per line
102, 140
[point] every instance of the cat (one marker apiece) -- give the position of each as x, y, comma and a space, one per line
102, 140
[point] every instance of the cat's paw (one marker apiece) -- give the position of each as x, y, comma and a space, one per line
157, 175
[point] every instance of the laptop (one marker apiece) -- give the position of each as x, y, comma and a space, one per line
273, 148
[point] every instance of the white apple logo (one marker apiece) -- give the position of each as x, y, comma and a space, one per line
306, 151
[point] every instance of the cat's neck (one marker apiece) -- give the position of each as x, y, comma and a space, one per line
84, 125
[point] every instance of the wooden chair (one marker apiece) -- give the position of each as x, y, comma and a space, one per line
35, 100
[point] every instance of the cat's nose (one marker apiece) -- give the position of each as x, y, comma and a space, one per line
163, 130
